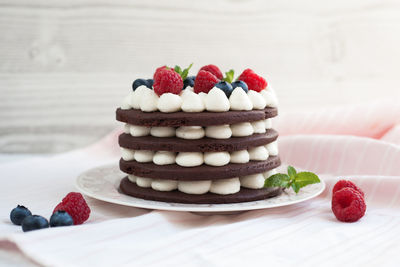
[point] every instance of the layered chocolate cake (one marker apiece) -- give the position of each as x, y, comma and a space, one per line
200, 139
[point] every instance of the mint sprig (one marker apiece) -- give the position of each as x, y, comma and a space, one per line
229, 76
183, 73
292, 179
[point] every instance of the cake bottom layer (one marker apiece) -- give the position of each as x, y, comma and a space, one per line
244, 195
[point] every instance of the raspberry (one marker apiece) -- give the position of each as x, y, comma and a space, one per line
214, 70
253, 81
167, 81
348, 205
75, 205
344, 183
204, 82
158, 71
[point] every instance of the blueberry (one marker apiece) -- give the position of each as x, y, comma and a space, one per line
240, 84
61, 218
226, 87
150, 83
18, 214
188, 82
34, 222
139, 82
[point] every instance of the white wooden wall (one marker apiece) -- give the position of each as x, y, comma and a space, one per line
65, 65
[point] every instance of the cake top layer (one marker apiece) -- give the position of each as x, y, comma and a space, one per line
172, 90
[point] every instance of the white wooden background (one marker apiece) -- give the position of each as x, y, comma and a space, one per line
65, 65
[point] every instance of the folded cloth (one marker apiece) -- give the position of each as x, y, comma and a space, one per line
305, 234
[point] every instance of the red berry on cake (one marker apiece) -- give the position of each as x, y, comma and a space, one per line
348, 205
344, 183
167, 81
214, 70
204, 82
75, 205
155, 75
253, 80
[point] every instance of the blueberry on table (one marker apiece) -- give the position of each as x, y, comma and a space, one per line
61, 218
34, 222
18, 214
139, 82
240, 84
188, 82
150, 83
226, 87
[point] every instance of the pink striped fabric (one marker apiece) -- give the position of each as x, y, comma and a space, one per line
334, 143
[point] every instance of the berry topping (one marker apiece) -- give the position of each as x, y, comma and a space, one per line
253, 81
61, 218
204, 82
348, 205
344, 183
139, 82
214, 70
240, 84
34, 222
150, 83
18, 214
75, 205
167, 81
188, 82
226, 87
158, 71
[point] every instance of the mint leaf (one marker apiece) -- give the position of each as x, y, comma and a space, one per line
178, 69
306, 178
229, 76
291, 171
296, 187
185, 72
279, 179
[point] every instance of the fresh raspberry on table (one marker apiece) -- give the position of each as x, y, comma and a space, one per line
204, 82
253, 80
344, 183
167, 81
348, 205
75, 205
214, 70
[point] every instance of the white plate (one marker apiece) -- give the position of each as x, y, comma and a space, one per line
103, 183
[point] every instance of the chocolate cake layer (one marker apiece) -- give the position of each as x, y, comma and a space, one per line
176, 119
244, 195
202, 172
197, 145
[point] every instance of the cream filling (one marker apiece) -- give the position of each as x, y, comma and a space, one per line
197, 132
220, 186
215, 100
192, 159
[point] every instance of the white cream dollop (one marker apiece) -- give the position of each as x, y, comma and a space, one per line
216, 158
194, 187
258, 126
219, 131
257, 99
148, 100
169, 102
242, 129
225, 186
162, 131
270, 98
189, 159
164, 158
258, 153
190, 132
268, 123
137, 130
239, 100
127, 128
132, 178
269, 173
136, 96
127, 154
192, 102
164, 185
272, 148
253, 181
144, 155
126, 102
143, 182
217, 101
241, 156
